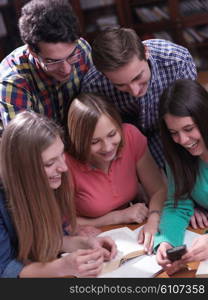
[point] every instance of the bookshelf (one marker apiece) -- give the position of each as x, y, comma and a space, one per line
9, 33
182, 21
95, 15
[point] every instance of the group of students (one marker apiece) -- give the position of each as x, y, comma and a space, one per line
93, 173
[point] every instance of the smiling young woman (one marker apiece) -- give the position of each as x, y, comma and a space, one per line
184, 130
36, 205
107, 160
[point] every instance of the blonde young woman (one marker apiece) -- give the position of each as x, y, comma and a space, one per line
107, 160
35, 199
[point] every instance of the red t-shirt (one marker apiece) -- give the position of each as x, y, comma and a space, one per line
98, 193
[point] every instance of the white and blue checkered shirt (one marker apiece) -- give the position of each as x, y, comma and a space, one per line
168, 62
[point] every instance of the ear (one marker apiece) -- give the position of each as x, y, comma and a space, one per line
147, 52
34, 54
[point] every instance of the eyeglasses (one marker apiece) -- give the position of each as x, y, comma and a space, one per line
73, 58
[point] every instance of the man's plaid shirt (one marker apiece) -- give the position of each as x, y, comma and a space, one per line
168, 62
24, 85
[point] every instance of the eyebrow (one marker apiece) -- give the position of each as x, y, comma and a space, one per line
53, 158
138, 76
110, 132
184, 127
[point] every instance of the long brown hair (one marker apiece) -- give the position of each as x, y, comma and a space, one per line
184, 98
37, 211
83, 116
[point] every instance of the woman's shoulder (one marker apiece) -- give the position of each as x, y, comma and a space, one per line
131, 131
70, 160
72, 163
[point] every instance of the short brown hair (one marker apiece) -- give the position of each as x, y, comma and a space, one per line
83, 115
115, 47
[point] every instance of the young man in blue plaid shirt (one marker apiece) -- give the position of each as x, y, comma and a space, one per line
133, 74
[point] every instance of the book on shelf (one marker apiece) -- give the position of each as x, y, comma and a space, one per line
3, 2
162, 12
89, 4
146, 15
163, 35
193, 32
131, 260
153, 14
191, 7
107, 21
188, 37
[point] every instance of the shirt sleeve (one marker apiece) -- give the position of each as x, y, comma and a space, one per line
188, 68
14, 97
174, 220
10, 267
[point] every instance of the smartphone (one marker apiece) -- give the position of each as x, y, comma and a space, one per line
176, 253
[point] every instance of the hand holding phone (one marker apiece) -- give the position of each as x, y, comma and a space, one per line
175, 253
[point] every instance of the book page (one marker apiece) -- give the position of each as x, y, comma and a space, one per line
125, 239
189, 237
202, 270
144, 266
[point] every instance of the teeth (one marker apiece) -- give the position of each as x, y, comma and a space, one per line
190, 146
55, 177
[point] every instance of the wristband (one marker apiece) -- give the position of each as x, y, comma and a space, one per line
154, 212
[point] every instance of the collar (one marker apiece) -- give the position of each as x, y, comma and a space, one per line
87, 167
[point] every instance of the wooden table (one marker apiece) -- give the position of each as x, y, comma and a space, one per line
180, 274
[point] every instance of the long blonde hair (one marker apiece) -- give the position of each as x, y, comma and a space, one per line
37, 211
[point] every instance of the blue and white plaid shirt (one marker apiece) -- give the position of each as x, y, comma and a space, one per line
168, 62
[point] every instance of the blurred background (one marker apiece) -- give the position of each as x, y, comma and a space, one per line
184, 22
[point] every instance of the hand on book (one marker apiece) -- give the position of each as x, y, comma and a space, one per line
107, 245
146, 235
82, 263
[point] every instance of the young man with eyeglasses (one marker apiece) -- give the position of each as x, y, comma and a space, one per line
45, 74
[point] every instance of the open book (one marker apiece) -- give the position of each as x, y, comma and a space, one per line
131, 260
